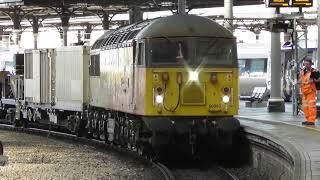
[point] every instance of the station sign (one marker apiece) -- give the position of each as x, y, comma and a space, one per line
289, 3
278, 3
302, 3
11, 1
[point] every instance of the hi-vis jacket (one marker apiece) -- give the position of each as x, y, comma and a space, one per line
309, 96
307, 88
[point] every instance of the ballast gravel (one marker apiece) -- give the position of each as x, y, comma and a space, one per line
37, 157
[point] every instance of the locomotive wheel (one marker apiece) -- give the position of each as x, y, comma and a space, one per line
8, 117
95, 131
17, 123
89, 135
103, 131
88, 129
102, 137
106, 135
25, 123
141, 150
2, 114
29, 115
116, 138
96, 135
79, 127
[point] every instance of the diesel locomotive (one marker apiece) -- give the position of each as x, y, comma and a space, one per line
166, 83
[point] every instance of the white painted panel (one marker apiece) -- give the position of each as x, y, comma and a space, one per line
71, 78
76, 90
113, 89
45, 69
32, 84
28, 88
36, 76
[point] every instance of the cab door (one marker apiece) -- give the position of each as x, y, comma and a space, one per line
138, 79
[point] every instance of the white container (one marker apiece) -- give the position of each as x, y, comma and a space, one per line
38, 69
72, 74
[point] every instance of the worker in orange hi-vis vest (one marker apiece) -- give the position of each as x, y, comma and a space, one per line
309, 91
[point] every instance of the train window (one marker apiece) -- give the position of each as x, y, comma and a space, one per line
193, 51
257, 66
254, 67
141, 54
169, 51
242, 66
215, 51
134, 44
94, 69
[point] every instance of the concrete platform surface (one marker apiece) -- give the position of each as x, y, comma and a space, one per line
288, 128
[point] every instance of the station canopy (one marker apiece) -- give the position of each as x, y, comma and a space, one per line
46, 9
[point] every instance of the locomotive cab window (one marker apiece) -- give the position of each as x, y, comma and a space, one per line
212, 51
193, 51
168, 51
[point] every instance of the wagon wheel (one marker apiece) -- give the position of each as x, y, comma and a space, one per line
79, 127
24, 122
29, 115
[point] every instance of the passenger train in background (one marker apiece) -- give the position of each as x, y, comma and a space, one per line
255, 68
253, 62
169, 83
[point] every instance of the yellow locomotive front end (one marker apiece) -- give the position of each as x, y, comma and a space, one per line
168, 83
191, 91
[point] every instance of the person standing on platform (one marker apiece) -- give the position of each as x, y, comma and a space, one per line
309, 77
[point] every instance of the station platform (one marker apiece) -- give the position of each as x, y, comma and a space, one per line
262, 114
286, 129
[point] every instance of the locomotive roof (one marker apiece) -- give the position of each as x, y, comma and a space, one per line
179, 25
184, 25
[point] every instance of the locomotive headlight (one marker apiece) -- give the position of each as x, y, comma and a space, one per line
159, 99
225, 99
193, 76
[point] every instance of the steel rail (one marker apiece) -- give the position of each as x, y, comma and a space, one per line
232, 176
168, 175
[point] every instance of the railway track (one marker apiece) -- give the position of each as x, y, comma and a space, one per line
162, 169
166, 173
215, 172
170, 173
